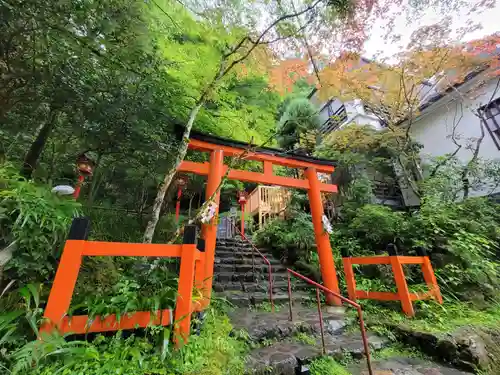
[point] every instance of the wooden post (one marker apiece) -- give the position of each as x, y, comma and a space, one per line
430, 279
268, 168
67, 273
209, 231
183, 306
349, 278
403, 292
327, 265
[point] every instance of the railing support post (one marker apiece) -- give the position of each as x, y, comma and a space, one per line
66, 275
290, 296
349, 278
429, 275
321, 327
365, 340
204, 278
343, 299
183, 308
402, 286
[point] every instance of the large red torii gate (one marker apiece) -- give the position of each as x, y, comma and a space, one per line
215, 169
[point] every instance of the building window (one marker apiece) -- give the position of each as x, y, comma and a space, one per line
490, 115
335, 119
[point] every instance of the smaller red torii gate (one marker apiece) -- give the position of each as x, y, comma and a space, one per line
215, 169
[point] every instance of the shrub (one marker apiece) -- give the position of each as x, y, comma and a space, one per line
37, 220
376, 224
290, 239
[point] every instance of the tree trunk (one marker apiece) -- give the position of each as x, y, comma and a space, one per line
475, 155
190, 205
36, 148
160, 195
5, 257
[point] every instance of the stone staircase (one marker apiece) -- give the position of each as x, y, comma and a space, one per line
243, 279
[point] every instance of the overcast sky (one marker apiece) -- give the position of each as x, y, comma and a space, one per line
377, 46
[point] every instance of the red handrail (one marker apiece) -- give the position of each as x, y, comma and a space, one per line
343, 299
270, 269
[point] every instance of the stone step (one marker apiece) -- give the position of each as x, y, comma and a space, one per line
235, 259
240, 249
265, 325
243, 255
225, 277
404, 365
232, 240
243, 299
283, 357
245, 268
286, 352
229, 242
281, 285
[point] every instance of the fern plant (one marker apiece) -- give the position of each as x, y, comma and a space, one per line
52, 346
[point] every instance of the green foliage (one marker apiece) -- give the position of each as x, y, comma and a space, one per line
327, 366
462, 239
214, 352
296, 128
105, 356
51, 346
37, 220
397, 350
433, 317
123, 285
365, 152
290, 239
305, 338
388, 223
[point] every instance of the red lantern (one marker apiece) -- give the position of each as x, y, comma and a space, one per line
85, 168
84, 165
242, 200
181, 182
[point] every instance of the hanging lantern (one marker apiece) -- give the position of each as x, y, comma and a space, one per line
84, 165
181, 180
242, 196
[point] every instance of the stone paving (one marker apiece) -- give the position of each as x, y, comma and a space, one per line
262, 325
404, 366
283, 352
284, 355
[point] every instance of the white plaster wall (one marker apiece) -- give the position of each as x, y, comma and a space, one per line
433, 129
356, 113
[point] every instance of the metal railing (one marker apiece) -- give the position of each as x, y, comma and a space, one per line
269, 267
320, 313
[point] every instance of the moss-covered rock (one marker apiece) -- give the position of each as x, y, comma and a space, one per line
470, 348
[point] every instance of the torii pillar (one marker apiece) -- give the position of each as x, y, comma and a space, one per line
326, 262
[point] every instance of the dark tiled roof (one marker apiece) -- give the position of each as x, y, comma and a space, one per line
262, 150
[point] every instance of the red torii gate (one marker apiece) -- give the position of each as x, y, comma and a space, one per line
196, 267
215, 169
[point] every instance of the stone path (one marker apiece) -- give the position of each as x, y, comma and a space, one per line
282, 352
404, 366
286, 353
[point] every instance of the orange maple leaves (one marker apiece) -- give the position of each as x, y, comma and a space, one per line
283, 76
